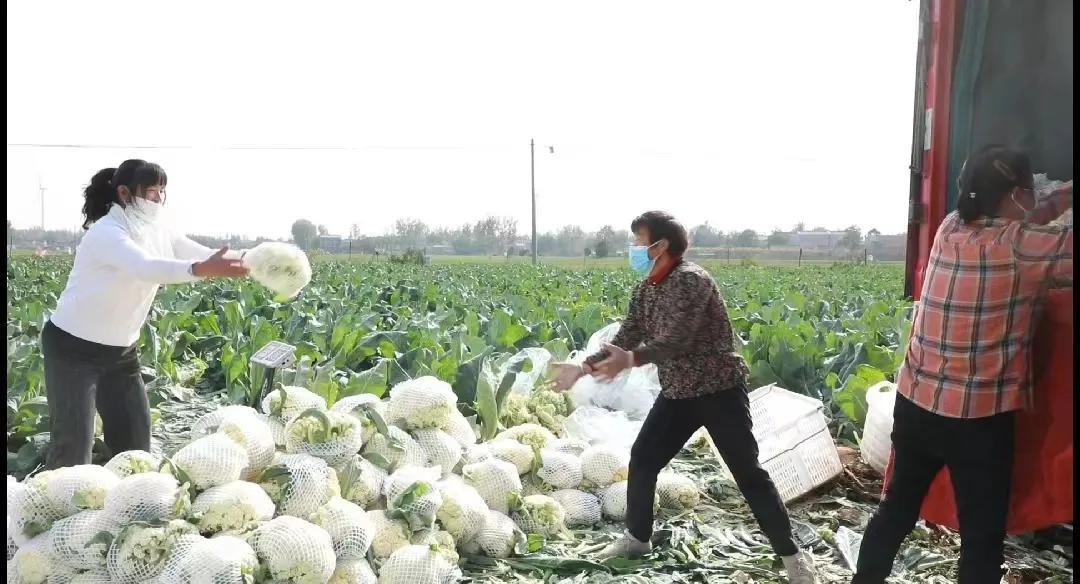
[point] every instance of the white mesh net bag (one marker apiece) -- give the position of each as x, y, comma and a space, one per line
348, 526
299, 484
532, 435
365, 407
439, 539
476, 453
30, 511
285, 403
277, 429
75, 540
394, 449
495, 480
210, 422
411, 492
282, 267
500, 537
559, 469
361, 481
539, 514
331, 436
390, 534
11, 547
424, 402
294, 550
224, 559
676, 491
76, 488
602, 465
613, 501
582, 509
211, 461
460, 429
34, 564
440, 449
146, 497
95, 577
234, 507
132, 462
522, 456
254, 436
569, 446
463, 510
140, 551
419, 564
353, 572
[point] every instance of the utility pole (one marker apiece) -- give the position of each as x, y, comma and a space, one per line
532, 177
41, 189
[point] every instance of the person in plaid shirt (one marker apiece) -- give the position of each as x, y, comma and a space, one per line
967, 367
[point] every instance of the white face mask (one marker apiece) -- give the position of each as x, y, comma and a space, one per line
144, 218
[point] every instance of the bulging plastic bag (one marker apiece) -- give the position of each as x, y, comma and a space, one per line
631, 392
597, 425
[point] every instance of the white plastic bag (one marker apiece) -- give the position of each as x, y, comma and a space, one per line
525, 381
597, 425
632, 392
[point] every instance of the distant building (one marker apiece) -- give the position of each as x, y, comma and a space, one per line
330, 243
816, 240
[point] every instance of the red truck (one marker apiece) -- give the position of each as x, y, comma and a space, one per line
1000, 71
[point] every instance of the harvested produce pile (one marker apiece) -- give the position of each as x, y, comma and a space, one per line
365, 490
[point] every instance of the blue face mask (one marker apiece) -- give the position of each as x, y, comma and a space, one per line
640, 261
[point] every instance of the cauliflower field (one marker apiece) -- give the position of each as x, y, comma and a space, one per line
413, 441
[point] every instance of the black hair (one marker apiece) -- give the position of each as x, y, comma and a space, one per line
989, 175
102, 193
662, 225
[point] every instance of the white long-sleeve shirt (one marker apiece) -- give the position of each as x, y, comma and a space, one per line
113, 282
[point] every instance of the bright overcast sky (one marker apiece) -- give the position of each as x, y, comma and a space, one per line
745, 114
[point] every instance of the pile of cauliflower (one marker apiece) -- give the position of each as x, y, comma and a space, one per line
365, 491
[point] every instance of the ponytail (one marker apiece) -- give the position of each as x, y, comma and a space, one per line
100, 195
103, 191
987, 177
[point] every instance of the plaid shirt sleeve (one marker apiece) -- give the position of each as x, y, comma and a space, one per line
1045, 252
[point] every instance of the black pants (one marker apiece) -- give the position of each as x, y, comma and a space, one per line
726, 416
979, 455
81, 376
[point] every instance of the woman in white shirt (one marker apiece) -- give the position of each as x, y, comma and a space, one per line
88, 344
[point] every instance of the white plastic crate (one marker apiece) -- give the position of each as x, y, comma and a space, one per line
877, 432
794, 443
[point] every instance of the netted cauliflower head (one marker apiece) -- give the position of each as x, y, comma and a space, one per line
211, 421
495, 480
33, 563
498, 538
559, 469
395, 449
440, 449
463, 510
418, 564
139, 552
72, 540
299, 484
353, 572
211, 461
602, 465
232, 508
361, 481
254, 435
676, 491
30, 510
424, 402
532, 435
282, 267
294, 550
365, 407
132, 462
147, 497
581, 508
348, 526
331, 436
225, 559
390, 534
76, 488
287, 402
539, 514
522, 456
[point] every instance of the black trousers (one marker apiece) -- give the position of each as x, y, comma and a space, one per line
726, 416
979, 455
81, 377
